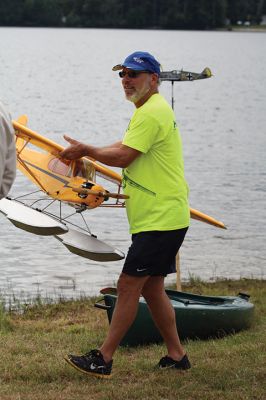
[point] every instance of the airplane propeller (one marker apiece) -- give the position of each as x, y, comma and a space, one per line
106, 194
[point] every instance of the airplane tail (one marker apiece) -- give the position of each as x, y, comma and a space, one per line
23, 120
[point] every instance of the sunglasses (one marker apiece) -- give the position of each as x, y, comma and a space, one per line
132, 74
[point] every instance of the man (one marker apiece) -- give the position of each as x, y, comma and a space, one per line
7, 152
158, 212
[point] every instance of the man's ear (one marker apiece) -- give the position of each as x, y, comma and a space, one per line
155, 78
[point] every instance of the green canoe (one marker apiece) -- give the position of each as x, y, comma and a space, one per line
196, 316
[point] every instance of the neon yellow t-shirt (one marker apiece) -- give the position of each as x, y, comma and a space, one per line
155, 181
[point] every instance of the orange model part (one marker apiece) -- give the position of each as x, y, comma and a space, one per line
58, 177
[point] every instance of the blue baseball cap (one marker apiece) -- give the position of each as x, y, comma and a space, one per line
140, 61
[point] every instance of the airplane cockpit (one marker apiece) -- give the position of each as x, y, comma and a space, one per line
71, 169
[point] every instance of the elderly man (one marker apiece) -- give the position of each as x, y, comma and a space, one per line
7, 152
157, 209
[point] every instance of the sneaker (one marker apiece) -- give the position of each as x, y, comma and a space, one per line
91, 363
167, 362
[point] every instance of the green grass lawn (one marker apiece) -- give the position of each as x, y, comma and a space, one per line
34, 343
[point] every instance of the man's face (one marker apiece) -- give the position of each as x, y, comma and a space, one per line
136, 84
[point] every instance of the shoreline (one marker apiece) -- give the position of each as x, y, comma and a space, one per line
222, 29
235, 28
20, 304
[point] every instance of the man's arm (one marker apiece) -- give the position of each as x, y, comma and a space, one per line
7, 154
114, 155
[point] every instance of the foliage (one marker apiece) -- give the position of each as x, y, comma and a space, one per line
165, 14
243, 10
5, 324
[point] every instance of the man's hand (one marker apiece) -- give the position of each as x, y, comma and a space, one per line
75, 150
115, 155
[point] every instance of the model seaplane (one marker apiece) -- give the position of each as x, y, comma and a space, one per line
75, 183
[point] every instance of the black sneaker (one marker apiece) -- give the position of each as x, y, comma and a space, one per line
91, 363
167, 362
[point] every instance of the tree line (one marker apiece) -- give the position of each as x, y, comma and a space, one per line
149, 14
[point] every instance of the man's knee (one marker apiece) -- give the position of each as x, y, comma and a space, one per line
153, 288
130, 284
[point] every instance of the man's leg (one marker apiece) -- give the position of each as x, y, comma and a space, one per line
129, 289
99, 362
163, 315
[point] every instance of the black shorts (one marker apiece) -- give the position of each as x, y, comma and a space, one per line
153, 253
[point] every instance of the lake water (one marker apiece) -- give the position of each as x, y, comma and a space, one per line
63, 80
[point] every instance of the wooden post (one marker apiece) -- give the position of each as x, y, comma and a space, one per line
178, 274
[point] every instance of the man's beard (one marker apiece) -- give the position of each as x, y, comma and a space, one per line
135, 97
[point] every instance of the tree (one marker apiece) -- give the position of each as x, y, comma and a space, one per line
42, 13
166, 14
11, 12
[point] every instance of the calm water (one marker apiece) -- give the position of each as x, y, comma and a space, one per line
63, 80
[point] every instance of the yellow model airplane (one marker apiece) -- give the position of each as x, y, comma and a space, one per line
71, 182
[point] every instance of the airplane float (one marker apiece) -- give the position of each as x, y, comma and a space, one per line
75, 183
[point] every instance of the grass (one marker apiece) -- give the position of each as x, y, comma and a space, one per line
243, 28
254, 28
33, 345
5, 324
